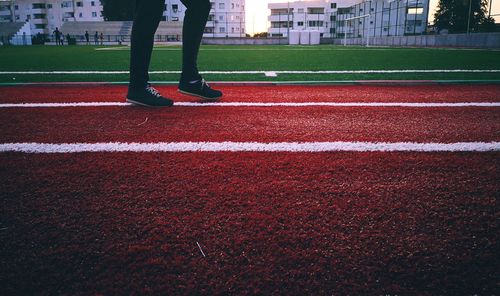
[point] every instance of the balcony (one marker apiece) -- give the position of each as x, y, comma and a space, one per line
40, 21
278, 17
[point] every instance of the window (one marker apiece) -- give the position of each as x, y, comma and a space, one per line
49, 6
333, 18
16, 7
316, 10
221, 6
94, 14
315, 23
221, 17
38, 5
414, 23
175, 8
79, 4
232, 5
300, 24
415, 10
333, 5
301, 10
222, 30
67, 4
38, 16
344, 10
80, 15
332, 30
92, 3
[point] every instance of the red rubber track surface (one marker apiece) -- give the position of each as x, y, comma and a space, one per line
288, 93
331, 223
269, 223
249, 124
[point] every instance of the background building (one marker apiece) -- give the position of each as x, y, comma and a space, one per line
350, 18
226, 19
45, 15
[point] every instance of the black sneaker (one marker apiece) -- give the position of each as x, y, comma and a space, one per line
147, 96
199, 89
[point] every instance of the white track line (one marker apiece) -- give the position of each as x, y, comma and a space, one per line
256, 72
250, 147
261, 104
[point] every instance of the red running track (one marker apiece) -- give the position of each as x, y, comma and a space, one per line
249, 124
421, 93
268, 223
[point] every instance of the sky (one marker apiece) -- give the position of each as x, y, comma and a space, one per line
256, 13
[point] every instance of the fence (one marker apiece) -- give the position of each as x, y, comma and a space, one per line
79, 39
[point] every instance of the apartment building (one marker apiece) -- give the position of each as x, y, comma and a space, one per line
226, 19
350, 18
45, 15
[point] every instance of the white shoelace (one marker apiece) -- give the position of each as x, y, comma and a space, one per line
153, 91
204, 83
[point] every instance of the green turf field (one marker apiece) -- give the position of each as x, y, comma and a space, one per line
250, 58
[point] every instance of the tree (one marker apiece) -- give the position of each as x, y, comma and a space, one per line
260, 35
118, 10
452, 15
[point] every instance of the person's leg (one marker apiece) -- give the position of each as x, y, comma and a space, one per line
195, 20
147, 16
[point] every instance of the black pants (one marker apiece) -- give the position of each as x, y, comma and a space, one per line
148, 14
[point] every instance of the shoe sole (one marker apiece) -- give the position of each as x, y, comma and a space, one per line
145, 105
196, 95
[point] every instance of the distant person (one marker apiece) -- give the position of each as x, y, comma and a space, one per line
101, 38
57, 34
87, 37
147, 16
62, 38
96, 38
68, 38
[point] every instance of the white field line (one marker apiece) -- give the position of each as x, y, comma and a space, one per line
308, 147
256, 72
291, 48
263, 104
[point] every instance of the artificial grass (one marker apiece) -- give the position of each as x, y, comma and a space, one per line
246, 58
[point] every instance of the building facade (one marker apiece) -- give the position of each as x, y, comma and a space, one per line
350, 18
45, 15
226, 19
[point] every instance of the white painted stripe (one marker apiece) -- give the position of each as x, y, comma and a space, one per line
261, 104
250, 147
298, 48
257, 72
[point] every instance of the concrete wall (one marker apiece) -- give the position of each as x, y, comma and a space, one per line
476, 40
245, 41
